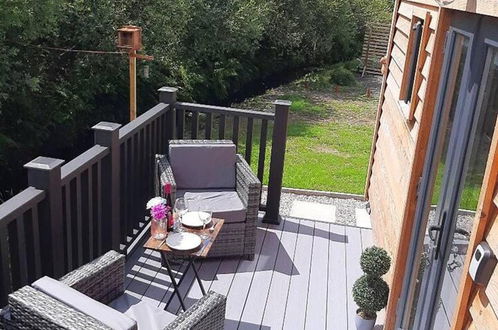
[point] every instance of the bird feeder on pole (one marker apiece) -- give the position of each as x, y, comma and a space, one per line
130, 40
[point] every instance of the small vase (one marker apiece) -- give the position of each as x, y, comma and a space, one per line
158, 228
363, 324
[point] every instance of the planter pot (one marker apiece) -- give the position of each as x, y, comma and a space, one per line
362, 324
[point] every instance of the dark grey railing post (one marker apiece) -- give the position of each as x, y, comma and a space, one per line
168, 95
279, 140
45, 173
107, 135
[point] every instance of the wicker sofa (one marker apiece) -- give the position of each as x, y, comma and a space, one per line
238, 236
103, 281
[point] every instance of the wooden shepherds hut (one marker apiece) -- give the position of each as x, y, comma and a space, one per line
433, 176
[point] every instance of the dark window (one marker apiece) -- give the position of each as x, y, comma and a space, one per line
415, 46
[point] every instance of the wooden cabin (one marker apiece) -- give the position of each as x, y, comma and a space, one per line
433, 177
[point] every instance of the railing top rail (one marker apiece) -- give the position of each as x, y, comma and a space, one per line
19, 204
143, 119
225, 110
80, 163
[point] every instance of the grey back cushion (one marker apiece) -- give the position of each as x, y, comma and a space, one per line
86, 305
203, 166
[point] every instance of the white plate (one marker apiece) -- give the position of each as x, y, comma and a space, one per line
193, 219
183, 241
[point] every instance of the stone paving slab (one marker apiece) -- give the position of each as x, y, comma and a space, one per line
313, 211
363, 218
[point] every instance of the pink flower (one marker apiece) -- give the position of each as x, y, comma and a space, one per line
159, 211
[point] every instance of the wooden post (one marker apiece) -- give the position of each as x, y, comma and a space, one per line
107, 135
45, 173
167, 95
133, 84
279, 140
369, 36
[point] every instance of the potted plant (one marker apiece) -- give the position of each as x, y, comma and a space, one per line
370, 291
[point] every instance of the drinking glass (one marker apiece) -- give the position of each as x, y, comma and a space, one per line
158, 228
179, 210
205, 218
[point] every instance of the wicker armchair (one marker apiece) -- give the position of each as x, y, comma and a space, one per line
235, 239
102, 280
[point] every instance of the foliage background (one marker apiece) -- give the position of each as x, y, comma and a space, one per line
212, 50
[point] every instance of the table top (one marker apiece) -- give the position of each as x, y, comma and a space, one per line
201, 251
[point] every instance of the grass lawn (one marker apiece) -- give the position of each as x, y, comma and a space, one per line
329, 133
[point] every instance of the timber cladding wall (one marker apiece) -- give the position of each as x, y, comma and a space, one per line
395, 163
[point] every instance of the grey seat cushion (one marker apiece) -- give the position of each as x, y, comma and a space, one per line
86, 305
146, 315
203, 166
224, 203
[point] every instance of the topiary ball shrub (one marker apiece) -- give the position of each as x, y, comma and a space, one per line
370, 294
375, 261
342, 76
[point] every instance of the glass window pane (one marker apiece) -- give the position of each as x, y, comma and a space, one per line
454, 79
487, 109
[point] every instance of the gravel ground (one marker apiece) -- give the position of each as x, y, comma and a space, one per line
345, 212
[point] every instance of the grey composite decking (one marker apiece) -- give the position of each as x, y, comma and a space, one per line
301, 278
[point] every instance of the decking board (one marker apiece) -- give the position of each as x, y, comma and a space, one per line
273, 314
260, 286
337, 294
353, 270
316, 310
241, 283
295, 313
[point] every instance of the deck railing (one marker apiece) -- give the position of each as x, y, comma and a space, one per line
74, 212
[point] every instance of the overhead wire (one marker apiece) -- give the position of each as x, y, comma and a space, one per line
69, 50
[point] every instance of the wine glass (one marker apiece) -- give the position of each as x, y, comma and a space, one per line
205, 218
180, 209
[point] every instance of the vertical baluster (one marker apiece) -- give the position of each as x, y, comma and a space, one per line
129, 170
162, 138
262, 149
79, 221
21, 250
167, 134
69, 227
150, 160
181, 123
124, 193
99, 209
222, 127
235, 132
131, 173
250, 124
143, 169
90, 220
195, 125
209, 125
136, 169
157, 145
6, 286
159, 125
35, 220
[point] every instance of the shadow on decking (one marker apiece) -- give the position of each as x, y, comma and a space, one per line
301, 277
308, 230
